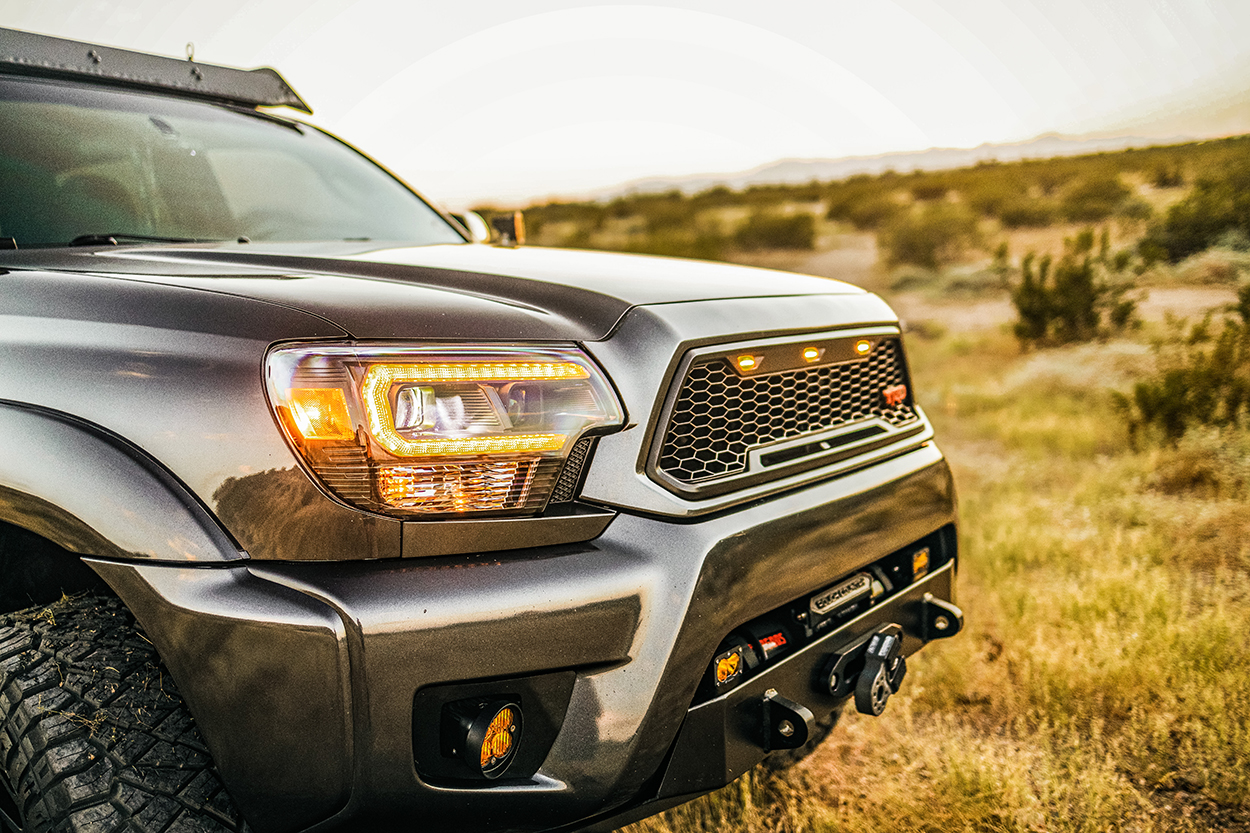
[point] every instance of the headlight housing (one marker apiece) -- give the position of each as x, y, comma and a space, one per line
438, 430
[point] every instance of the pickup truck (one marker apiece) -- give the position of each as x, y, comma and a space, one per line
318, 512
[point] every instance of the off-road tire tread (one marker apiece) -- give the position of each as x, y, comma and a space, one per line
94, 736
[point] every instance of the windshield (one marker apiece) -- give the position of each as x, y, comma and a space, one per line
79, 162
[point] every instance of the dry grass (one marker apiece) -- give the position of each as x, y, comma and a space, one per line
1102, 682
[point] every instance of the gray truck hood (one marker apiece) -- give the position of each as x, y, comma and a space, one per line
437, 292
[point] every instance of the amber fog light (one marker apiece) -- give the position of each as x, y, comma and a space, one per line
485, 735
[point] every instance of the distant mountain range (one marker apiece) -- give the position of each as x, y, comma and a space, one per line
798, 171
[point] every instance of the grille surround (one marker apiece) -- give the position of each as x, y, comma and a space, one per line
720, 431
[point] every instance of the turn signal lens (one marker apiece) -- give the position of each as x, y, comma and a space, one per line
863, 347
321, 414
436, 429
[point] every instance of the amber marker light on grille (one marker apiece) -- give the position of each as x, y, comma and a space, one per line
812, 354
320, 413
863, 347
749, 363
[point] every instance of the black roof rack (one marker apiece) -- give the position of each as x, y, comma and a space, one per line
26, 53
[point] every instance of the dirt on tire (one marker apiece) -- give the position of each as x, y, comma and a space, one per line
94, 735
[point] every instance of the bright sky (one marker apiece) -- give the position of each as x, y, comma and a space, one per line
509, 100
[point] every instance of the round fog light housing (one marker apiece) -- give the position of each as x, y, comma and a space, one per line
492, 738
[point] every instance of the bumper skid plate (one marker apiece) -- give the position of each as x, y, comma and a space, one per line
775, 709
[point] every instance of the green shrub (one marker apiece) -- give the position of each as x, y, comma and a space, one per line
1168, 175
705, 244
773, 230
1201, 378
1135, 208
931, 237
1028, 213
1077, 298
929, 190
1216, 206
866, 210
989, 196
1094, 199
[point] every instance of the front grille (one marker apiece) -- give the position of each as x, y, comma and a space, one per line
719, 416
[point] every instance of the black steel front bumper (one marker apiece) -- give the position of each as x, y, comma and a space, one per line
307, 679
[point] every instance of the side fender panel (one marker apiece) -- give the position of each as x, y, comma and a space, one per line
94, 494
264, 670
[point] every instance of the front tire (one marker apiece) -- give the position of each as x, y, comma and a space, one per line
93, 734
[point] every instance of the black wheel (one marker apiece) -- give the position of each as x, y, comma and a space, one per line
786, 758
93, 734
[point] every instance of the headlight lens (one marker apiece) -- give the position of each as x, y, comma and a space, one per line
438, 429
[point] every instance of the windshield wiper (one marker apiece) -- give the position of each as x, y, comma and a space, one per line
118, 239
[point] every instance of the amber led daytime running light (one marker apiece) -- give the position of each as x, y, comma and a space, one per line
380, 378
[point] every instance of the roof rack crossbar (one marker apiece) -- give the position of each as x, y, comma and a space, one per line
27, 53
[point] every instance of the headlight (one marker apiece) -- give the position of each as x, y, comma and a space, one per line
438, 429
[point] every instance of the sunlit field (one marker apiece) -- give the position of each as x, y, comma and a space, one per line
1103, 680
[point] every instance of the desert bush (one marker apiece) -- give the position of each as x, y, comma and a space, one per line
1094, 199
719, 196
1168, 175
1202, 378
696, 242
930, 237
1053, 174
1135, 208
929, 189
585, 214
1024, 212
991, 194
773, 230
1077, 298
865, 208
1216, 206
665, 211
1206, 462
1214, 266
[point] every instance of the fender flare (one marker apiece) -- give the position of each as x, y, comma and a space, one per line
94, 493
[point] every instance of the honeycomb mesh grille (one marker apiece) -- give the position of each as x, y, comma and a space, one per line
571, 474
719, 416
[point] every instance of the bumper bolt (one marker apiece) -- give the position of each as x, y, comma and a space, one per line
785, 728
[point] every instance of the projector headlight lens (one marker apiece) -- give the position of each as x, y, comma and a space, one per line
438, 429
